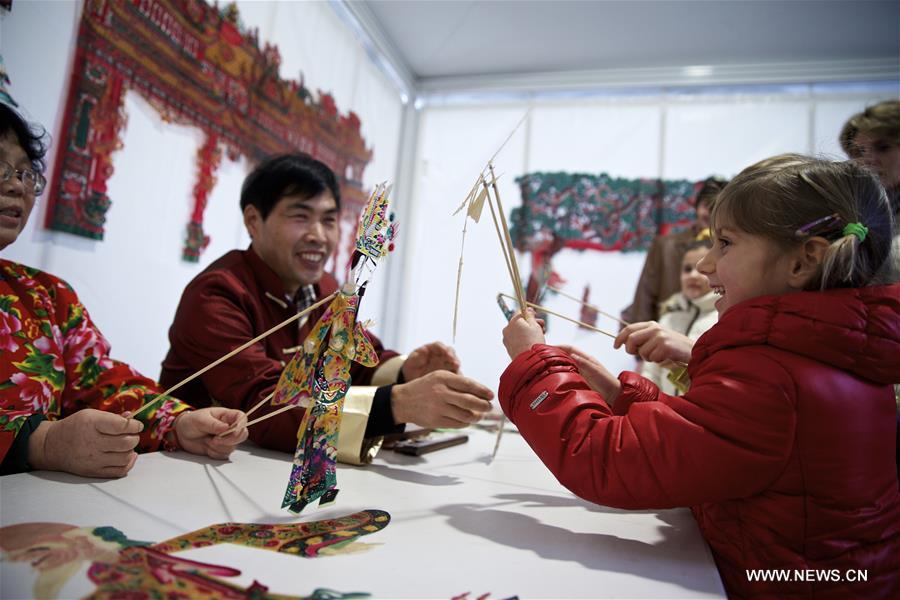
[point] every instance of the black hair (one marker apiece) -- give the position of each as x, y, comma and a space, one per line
709, 191
30, 136
287, 174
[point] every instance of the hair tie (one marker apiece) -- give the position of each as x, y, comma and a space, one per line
857, 229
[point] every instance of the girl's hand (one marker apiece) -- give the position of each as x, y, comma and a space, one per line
522, 333
198, 431
655, 343
595, 374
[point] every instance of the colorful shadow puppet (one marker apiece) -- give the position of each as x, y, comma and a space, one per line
121, 567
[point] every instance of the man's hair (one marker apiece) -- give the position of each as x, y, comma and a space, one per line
30, 137
287, 175
777, 197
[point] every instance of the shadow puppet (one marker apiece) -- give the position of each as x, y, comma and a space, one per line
119, 565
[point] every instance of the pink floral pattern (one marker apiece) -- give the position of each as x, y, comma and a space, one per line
54, 361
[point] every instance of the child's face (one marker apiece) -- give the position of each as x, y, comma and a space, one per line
694, 284
742, 266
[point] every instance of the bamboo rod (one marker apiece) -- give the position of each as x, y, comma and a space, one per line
562, 316
668, 364
517, 280
272, 414
500, 237
215, 363
588, 305
260, 403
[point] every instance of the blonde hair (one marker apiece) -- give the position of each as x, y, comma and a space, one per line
776, 197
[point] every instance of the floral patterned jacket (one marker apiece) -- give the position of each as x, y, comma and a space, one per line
54, 361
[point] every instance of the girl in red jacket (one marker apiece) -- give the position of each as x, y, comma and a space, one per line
784, 445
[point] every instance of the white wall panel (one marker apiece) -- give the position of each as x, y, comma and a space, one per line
132, 281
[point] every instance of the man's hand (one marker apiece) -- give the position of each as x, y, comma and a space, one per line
595, 374
440, 399
655, 343
428, 358
92, 443
522, 333
198, 431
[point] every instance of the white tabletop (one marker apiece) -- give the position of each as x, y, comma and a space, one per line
458, 524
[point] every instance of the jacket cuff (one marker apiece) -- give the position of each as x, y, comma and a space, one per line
353, 447
381, 419
388, 372
158, 423
635, 388
16, 459
538, 361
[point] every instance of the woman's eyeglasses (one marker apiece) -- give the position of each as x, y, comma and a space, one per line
33, 182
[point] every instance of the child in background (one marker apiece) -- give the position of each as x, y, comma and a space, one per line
784, 445
689, 312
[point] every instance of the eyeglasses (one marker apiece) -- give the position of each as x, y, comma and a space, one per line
34, 182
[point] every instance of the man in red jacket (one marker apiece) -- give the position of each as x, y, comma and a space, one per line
291, 207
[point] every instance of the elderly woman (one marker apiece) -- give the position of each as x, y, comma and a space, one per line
64, 403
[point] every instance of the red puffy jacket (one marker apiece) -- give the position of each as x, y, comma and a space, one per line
784, 446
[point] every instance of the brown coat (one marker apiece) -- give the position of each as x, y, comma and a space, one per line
660, 277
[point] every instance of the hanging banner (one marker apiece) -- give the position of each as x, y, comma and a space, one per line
197, 66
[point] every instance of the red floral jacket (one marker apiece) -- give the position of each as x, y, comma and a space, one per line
54, 361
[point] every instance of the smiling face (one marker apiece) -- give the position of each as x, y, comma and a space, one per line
694, 284
742, 266
16, 200
297, 237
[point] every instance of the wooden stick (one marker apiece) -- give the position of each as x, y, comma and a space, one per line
215, 363
459, 270
500, 238
583, 303
260, 403
667, 364
273, 413
561, 316
502, 422
517, 280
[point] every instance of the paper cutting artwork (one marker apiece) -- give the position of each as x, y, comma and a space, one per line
125, 568
329, 536
318, 376
323, 378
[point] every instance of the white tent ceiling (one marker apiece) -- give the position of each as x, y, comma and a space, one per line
447, 44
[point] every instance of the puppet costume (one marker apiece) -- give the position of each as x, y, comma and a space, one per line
56, 362
783, 446
239, 297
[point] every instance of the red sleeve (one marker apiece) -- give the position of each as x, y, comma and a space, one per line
95, 380
730, 436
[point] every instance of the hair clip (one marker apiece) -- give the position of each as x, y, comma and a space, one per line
821, 224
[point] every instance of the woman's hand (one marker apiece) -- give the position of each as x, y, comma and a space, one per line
92, 443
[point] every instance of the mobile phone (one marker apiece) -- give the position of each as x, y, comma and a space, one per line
420, 446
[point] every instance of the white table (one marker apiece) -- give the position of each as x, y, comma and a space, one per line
458, 524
